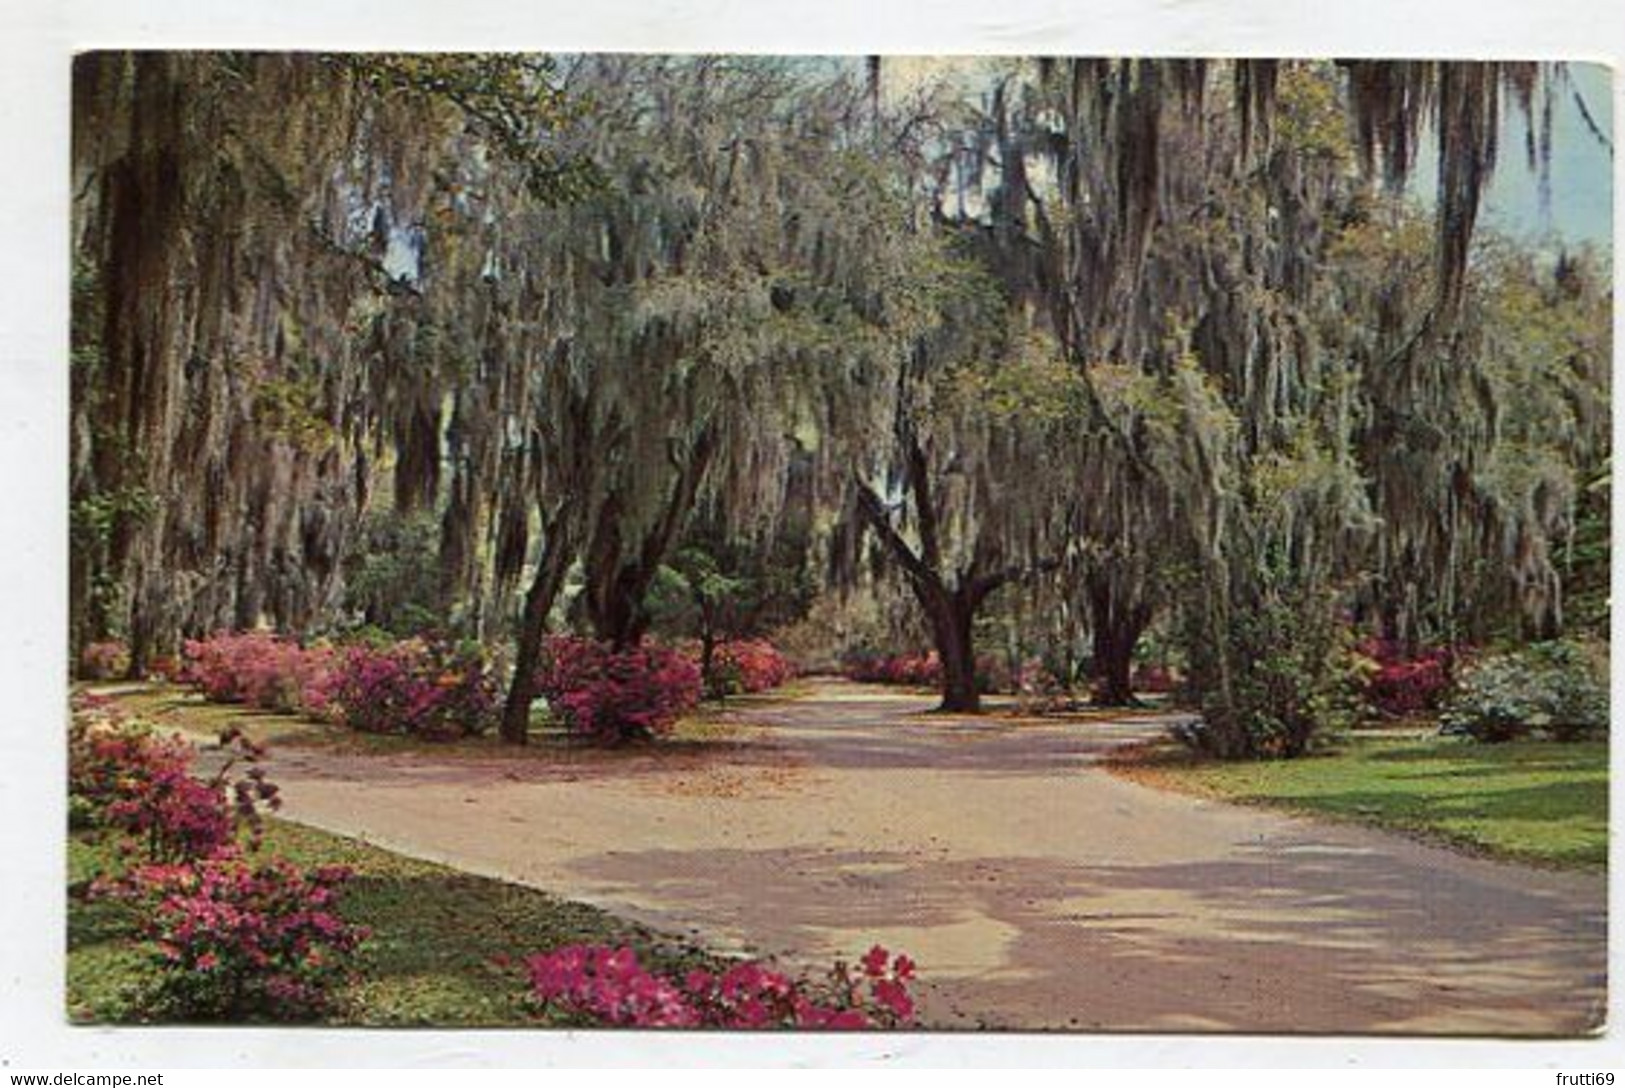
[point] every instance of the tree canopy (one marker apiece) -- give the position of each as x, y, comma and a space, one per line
1128, 342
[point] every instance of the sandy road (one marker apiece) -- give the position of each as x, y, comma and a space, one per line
1036, 890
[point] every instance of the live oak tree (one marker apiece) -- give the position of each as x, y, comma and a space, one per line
243, 224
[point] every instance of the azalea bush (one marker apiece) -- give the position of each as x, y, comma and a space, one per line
603, 986
104, 660
613, 695
1154, 679
125, 778
913, 669
234, 940
1556, 688
1400, 683
432, 690
747, 666
257, 668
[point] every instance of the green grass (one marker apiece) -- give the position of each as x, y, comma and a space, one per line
1536, 801
435, 934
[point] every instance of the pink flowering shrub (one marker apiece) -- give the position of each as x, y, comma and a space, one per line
609, 987
1397, 684
614, 696
104, 660
257, 668
432, 690
745, 666
235, 941
1154, 679
123, 777
914, 669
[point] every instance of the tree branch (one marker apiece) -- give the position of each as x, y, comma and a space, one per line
874, 512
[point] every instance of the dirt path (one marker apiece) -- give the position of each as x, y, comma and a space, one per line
1036, 890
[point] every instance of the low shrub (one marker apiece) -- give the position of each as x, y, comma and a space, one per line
604, 986
124, 778
432, 690
1154, 680
1399, 684
913, 669
1038, 690
614, 696
238, 941
1274, 678
746, 666
257, 668
1557, 688
105, 660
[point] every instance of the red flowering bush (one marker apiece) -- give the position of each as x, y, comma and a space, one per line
1154, 679
914, 669
607, 986
746, 666
235, 941
432, 690
104, 660
1397, 684
257, 668
614, 696
125, 778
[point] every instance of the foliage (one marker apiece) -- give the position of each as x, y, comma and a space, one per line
1155, 679
433, 690
612, 696
608, 986
1559, 688
393, 579
258, 668
122, 777
104, 660
921, 670
1400, 684
746, 666
512, 100
442, 949
1038, 690
1276, 678
611, 314
235, 941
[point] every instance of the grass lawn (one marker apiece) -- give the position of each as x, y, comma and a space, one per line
1536, 801
435, 934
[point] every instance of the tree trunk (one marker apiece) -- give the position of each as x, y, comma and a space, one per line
544, 589
708, 664
951, 626
1113, 665
1117, 626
